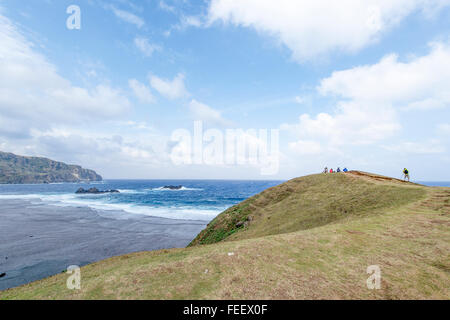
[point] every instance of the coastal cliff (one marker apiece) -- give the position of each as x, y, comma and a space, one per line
16, 169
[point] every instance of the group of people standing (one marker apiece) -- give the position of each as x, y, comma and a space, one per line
332, 171
405, 172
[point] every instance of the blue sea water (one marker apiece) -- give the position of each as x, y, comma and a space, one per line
435, 183
197, 200
44, 228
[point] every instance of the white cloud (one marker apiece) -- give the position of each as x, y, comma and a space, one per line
33, 94
370, 98
420, 83
141, 91
299, 100
191, 21
201, 111
141, 125
186, 22
352, 124
171, 89
128, 17
444, 129
111, 152
425, 147
144, 45
164, 6
305, 147
312, 28
44, 114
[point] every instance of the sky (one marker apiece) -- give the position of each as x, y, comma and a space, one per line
357, 84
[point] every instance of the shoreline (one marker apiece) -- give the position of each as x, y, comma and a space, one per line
39, 240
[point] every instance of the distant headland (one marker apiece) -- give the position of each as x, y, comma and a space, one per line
16, 169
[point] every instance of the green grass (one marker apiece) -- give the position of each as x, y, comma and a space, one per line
16, 169
306, 203
314, 250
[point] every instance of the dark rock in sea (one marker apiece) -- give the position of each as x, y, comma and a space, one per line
94, 191
173, 187
2, 275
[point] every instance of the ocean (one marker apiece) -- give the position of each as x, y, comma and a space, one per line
196, 200
45, 228
434, 183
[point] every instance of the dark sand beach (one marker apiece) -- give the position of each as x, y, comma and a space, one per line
38, 240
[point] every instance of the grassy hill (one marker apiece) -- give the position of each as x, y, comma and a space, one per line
19, 169
306, 203
309, 238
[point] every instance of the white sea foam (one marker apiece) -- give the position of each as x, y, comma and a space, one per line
106, 207
19, 196
131, 191
168, 189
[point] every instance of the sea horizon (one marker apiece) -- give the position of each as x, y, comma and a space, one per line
47, 227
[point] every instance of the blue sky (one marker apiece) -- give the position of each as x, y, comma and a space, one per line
357, 84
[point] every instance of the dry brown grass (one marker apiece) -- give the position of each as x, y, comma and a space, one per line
309, 202
410, 243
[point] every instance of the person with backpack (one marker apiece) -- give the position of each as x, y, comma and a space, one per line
405, 174
338, 169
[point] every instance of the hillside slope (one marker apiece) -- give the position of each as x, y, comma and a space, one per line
309, 202
20, 169
324, 258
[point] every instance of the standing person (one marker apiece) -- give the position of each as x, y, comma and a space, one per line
338, 169
325, 170
405, 174
331, 170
